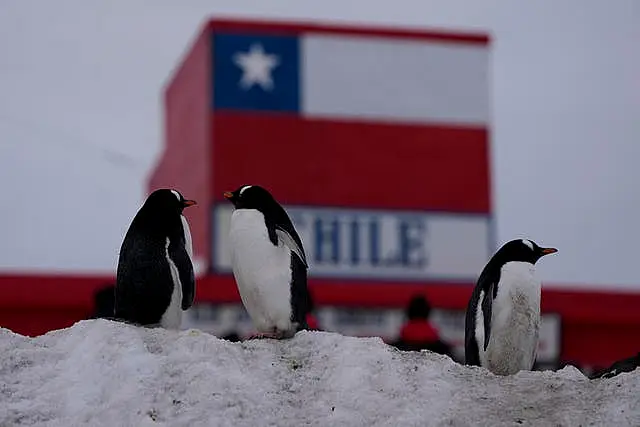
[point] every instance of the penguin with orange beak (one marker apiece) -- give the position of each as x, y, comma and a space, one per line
503, 315
155, 280
269, 263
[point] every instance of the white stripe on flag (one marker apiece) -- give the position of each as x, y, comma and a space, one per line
396, 80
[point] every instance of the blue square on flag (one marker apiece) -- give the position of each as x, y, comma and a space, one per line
255, 72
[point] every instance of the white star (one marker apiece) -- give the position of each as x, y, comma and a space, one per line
256, 67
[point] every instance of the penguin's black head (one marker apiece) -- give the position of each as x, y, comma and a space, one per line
167, 200
524, 250
251, 197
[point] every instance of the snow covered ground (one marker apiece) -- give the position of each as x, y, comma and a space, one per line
103, 373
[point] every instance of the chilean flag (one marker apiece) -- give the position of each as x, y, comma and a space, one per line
374, 125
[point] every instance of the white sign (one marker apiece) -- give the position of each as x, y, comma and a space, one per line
379, 244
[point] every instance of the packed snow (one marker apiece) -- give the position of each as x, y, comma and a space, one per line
104, 373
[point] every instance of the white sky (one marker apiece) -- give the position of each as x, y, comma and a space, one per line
80, 120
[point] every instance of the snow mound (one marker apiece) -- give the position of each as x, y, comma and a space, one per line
104, 373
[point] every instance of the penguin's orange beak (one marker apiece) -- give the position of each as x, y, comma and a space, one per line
228, 195
547, 251
188, 203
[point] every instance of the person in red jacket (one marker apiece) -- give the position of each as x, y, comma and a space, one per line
312, 322
417, 333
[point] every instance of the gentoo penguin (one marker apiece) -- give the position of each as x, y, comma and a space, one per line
269, 263
503, 314
628, 364
155, 279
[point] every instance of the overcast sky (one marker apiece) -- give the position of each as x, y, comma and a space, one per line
80, 120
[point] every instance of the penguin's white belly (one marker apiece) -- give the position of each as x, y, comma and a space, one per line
262, 271
172, 317
515, 321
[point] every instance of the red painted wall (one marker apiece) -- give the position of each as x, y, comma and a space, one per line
597, 328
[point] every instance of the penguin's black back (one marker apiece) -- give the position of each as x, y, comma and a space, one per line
144, 282
471, 350
300, 298
487, 282
277, 218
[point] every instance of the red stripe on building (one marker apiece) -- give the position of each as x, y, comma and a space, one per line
597, 327
353, 164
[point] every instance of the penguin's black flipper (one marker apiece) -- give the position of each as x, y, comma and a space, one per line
281, 229
180, 257
300, 298
471, 351
285, 231
294, 246
487, 302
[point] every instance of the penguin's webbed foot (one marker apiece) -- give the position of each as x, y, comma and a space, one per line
275, 335
264, 335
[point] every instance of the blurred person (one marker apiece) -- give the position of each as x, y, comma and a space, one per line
418, 333
104, 302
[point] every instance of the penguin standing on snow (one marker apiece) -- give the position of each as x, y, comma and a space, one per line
155, 279
628, 364
269, 263
503, 315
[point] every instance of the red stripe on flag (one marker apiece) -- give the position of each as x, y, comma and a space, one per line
331, 163
301, 27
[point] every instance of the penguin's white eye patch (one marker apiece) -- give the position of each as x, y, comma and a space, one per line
244, 188
175, 193
528, 243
